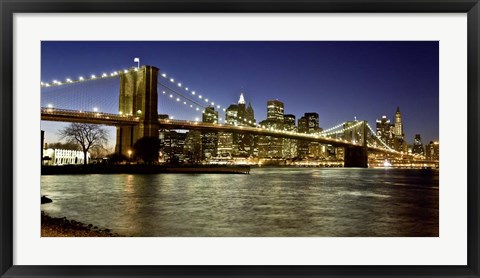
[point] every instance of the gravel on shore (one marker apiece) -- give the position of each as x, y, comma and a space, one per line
62, 227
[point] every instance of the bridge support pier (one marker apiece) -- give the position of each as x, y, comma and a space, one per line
138, 98
355, 157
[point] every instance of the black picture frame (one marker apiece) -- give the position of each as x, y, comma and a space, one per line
9, 7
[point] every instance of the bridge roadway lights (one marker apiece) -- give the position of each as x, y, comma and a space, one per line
356, 157
138, 97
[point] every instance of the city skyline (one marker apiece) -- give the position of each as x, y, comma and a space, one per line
418, 73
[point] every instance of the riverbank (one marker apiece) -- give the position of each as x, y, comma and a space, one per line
143, 169
62, 227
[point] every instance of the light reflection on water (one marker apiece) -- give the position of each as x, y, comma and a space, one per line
268, 202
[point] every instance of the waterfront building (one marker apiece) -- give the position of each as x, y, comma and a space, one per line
432, 151
417, 147
193, 146
268, 146
53, 157
173, 143
225, 144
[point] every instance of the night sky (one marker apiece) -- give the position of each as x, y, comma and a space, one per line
338, 80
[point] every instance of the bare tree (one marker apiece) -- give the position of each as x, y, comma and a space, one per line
85, 135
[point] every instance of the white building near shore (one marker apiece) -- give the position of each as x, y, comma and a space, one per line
53, 157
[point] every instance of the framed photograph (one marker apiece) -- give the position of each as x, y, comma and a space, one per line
260, 139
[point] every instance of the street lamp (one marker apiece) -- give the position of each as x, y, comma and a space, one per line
129, 154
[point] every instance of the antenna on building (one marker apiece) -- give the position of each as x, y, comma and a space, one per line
137, 60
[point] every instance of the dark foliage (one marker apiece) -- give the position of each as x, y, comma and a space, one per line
147, 149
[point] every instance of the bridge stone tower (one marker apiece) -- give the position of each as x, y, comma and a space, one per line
139, 98
357, 156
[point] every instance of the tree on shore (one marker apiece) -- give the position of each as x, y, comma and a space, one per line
86, 135
147, 149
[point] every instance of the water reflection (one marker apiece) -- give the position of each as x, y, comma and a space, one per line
268, 202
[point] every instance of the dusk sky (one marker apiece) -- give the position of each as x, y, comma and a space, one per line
338, 80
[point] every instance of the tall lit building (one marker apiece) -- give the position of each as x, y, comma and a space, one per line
271, 147
209, 139
398, 128
268, 146
400, 144
417, 147
226, 145
309, 124
231, 114
385, 131
392, 134
275, 110
302, 147
312, 122
234, 144
173, 144
193, 146
246, 142
432, 151
289, 145
209, 115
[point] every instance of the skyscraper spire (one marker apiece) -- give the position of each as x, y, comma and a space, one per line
241, 100
398, 129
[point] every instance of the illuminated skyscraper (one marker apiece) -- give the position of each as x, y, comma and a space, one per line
226, 144
193, 146
309, 124
289, 145
385, 131
209, 139
400, 144
275, 110
432, 151
234, 144
312, 122
173, 144
270, 147
418, 145
398, 128
302, 148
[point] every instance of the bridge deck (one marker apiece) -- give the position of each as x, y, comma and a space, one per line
63, 115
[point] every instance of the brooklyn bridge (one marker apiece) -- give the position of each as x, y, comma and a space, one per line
138, 116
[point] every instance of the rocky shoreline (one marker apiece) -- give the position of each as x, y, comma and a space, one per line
62, 227
143, 169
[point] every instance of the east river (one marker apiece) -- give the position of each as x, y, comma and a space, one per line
268, 202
